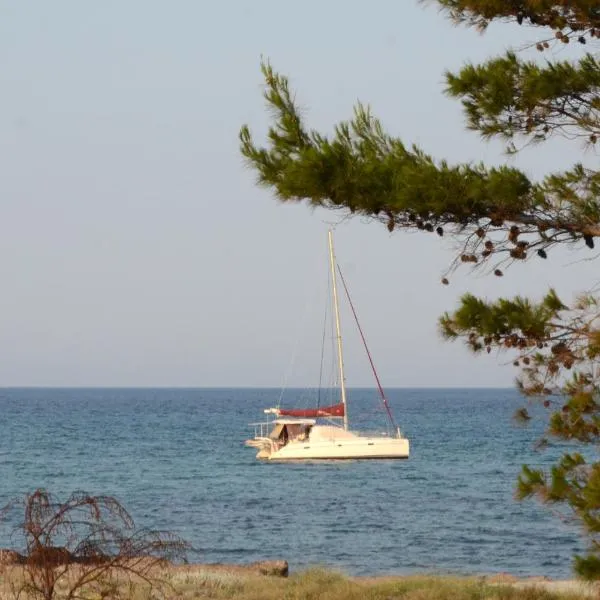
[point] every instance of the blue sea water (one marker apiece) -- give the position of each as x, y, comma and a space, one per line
176, 459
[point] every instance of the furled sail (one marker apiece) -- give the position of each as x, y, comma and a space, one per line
335, 410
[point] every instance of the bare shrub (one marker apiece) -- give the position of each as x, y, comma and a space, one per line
85, 544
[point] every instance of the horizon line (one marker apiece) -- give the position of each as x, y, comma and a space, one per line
246, 387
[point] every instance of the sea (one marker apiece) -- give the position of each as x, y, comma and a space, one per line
175, 458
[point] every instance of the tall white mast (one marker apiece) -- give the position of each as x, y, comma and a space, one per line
337, 328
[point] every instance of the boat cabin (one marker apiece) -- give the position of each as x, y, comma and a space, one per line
286, 430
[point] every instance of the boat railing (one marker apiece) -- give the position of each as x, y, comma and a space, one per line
262, 429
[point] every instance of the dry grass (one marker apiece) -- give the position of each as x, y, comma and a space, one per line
202, 583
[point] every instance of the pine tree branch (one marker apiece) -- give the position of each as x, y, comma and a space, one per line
368, 172
509, 97
576, 15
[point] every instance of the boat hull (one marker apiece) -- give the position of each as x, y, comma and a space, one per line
358, 448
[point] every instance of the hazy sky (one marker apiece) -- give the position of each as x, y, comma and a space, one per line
135, 248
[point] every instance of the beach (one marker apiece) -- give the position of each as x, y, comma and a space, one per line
238, 582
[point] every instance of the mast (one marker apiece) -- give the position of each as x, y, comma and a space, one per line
337, 328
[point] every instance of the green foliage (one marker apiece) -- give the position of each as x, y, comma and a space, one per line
507, 97
516, 322
587, 566
575, 15
367, 171
496, 214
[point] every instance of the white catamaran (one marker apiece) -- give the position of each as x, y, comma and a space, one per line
297, 434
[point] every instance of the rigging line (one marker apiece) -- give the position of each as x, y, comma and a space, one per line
310, 302
323, 348
381, 392
333, 372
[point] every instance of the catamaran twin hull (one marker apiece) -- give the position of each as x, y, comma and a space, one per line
330, 443
347, 451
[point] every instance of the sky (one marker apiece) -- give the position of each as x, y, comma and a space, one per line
135, 248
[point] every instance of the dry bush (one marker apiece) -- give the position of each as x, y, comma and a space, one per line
85, 545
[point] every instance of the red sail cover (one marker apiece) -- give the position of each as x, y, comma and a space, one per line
335, 410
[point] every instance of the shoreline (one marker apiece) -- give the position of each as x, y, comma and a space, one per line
561, 587
272, 580
269, 568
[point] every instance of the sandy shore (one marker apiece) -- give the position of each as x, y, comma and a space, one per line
560, 586
274, 574
280, 569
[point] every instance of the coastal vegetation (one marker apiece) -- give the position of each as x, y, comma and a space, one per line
498, 215
201, 582
86, 546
